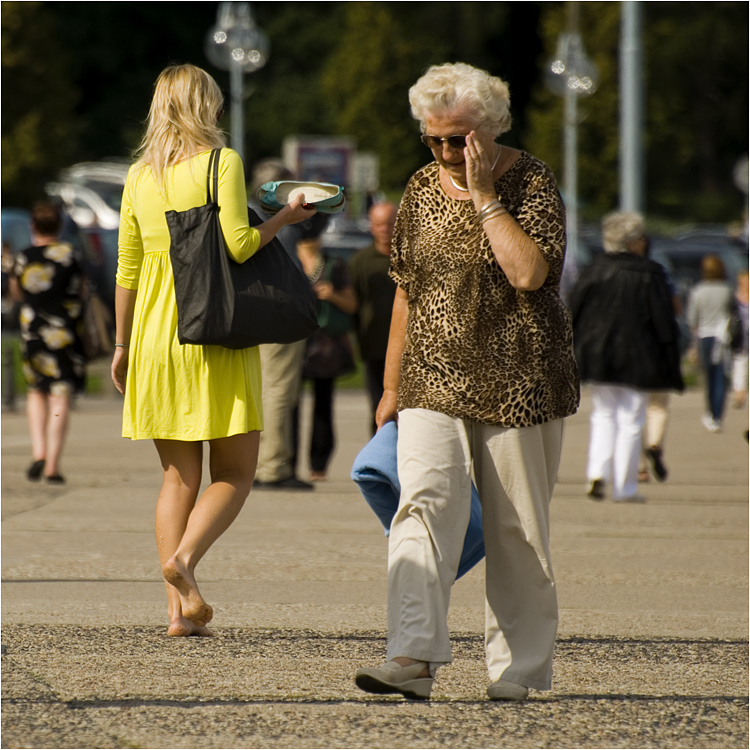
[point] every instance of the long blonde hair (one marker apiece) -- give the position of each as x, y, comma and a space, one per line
183, 119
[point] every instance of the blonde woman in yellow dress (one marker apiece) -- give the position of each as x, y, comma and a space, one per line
180, 396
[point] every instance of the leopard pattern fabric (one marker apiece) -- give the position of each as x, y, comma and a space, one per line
476, 347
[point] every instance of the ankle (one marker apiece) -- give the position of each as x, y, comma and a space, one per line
406, 661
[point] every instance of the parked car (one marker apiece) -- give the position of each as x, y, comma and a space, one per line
91, 194
345, 236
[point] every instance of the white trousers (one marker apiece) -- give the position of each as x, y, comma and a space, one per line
617, 420
515, 472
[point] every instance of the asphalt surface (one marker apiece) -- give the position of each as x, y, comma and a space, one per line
652, 648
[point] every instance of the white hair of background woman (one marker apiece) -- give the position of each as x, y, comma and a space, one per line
619, 229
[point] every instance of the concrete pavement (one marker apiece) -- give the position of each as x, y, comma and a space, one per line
653, 629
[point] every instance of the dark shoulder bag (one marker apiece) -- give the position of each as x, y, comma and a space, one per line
265, 300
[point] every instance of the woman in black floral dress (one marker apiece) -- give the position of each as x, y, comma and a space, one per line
47, 280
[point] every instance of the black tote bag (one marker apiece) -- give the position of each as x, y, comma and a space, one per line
265, 300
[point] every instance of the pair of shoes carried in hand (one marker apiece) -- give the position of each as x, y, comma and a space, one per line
322, 196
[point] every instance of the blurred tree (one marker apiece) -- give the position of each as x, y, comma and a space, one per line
696, 107
598, 130
285, 97
39, 130
367, 77
78, 79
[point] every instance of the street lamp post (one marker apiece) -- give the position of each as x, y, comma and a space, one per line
631, 108
571, 74
235, 43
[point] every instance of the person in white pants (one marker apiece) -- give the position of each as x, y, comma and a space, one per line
617, 420
627, 345
479, 373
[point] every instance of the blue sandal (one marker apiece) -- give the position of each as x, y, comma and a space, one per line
323, 196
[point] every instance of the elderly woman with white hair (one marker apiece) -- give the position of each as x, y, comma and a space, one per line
627, 344
479, 374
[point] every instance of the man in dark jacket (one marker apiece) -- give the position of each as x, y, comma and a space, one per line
626, 344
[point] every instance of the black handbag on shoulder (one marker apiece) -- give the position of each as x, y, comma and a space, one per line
265, 300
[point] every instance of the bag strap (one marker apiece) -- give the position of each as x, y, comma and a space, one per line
213, 171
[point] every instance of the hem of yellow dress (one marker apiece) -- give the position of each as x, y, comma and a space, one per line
188, 438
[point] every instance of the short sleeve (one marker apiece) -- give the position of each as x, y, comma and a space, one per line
129, 241
404, 237
541, 214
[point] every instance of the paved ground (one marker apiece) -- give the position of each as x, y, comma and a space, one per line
652, 652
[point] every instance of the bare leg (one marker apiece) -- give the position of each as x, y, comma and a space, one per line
36, 413
233, 460
57, 428
182, 466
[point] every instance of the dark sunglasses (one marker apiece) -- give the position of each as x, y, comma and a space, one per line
454, 141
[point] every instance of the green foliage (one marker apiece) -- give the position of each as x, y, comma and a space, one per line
38, 127
695, 109
78, 76
367, 77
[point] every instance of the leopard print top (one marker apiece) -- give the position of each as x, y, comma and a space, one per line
476, 348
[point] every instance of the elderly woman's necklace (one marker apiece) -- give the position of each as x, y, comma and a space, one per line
492, 169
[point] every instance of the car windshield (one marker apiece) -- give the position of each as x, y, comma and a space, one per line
110, 193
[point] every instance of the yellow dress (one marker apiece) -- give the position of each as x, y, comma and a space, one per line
177, 392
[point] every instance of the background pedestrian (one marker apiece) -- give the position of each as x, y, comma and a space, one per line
375, 291
47, 281
328, 353
709, 309
281, 365
626, 344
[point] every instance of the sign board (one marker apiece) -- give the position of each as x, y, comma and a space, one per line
320, 158
366, 172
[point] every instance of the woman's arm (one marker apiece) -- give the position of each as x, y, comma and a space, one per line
14, 289
387, 411
124, 309
517, 254
242, 240
290, 214
345, 299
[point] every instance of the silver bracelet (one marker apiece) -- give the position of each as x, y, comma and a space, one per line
499, 211
491, 209
124, 346
488, 205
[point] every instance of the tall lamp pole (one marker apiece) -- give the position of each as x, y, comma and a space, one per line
238, 45
571, 74
631, 108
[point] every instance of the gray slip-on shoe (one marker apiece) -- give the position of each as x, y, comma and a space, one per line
393, 678
502, 690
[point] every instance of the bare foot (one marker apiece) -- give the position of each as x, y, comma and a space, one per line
193, 605
182, 627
